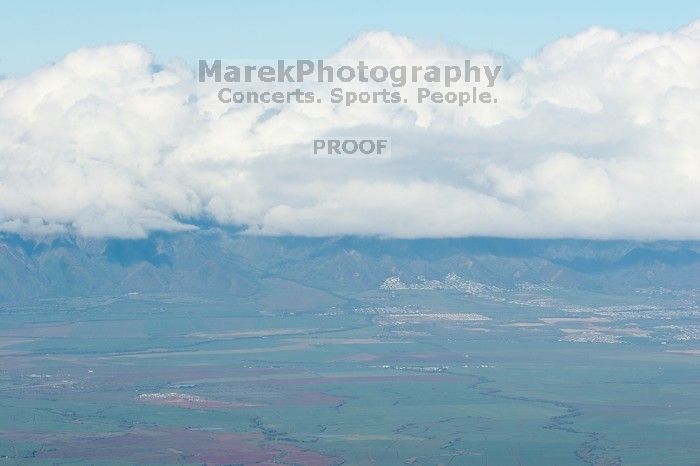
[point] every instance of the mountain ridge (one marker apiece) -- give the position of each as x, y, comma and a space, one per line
215, 260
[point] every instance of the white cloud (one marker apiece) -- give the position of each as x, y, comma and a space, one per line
596, 136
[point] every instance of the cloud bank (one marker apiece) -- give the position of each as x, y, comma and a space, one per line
597, 136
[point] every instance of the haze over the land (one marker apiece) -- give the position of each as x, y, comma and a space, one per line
595, 137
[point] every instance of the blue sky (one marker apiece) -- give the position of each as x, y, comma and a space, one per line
33, 33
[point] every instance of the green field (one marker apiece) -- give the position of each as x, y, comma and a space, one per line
374, 378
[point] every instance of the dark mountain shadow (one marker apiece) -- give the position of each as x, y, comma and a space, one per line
127, 252
637, 257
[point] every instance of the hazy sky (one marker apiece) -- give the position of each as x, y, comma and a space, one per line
33, 33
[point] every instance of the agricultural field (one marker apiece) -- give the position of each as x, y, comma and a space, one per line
398, 375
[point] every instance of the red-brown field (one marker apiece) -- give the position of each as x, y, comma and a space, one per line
176, 446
